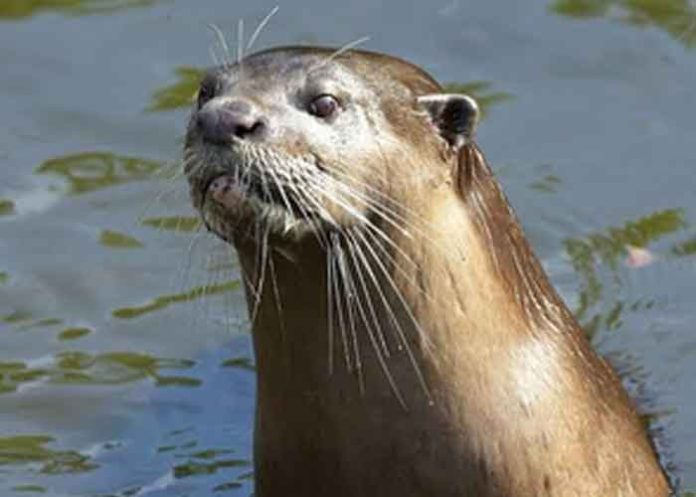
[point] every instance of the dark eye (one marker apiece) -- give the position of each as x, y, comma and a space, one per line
205, 93
323, 106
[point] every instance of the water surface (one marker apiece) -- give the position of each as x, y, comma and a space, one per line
125, 365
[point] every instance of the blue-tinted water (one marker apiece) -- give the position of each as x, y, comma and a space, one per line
119, 376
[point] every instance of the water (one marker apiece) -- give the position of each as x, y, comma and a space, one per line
121, 376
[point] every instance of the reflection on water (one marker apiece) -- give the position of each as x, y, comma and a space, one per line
23, 320
179, 94
77, 373
29, 489
73, 334
6, 207
41, 323
190, 456
243, 363
31, 449
685, 248
548, 183
83, 368
15, 317
676, 17
196, 466
184, 224
205, 463
165, 301
17, 9
89, 171
609, 248
114, 239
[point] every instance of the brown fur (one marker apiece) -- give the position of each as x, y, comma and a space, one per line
496, 391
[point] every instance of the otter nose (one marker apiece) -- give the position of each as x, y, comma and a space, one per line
238, 119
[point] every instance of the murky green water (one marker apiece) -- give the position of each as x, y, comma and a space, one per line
125, 365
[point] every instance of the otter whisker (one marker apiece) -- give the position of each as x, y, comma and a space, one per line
172, 171
359, 262
304, 210
220, 278
423, 339
261, 26
346, 279
262, 244
407, 308
390, 313
401, 334
195, 166
189, 162
186, 265
413, 222
335, 241
340, 51
373, 229
170, 186
398, 266
214, 57
330, 307
222, 43
238, 176
201, 304
343, 204
380, 353
309, 189
281, 190
367, 200
244, 179
320, 209
276, 295
240, 42
226, 269
390, 215
266, 192
375, 207
268, 197
366, 222
383, 199
381, 234
249, 283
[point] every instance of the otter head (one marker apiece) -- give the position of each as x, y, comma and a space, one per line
297, 140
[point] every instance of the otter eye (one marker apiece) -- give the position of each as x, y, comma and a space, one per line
205, 93
323, 106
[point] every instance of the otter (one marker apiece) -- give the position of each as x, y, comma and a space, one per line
408, 341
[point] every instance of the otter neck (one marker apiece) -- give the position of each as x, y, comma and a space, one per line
379, 317
336, 391
395, 312
450, 353
361, 321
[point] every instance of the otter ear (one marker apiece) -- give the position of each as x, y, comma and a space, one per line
454, 115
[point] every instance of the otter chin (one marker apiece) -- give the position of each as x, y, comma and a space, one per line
407, 340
